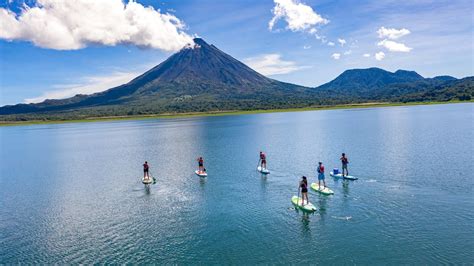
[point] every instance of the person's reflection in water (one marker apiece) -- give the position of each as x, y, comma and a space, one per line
147, 189
345, 188
202, 181
264, 179
322, 206
305, 222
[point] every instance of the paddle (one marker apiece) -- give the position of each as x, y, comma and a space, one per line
298, 200
154, 179
258, 163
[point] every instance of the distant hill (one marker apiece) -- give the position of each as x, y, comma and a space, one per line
361, 81
458, 89
201, 78
375, 84
444, 78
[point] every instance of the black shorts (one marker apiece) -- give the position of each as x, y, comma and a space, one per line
145, 170
304, 190
201, 165
264, 161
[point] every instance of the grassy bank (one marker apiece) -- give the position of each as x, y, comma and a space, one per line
221, 113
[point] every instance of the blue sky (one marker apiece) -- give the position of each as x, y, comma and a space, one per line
310, 41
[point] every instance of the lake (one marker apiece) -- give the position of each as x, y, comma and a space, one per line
72, 193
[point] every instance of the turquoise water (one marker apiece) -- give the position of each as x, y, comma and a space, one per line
72, 192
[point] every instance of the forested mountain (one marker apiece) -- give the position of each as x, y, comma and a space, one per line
201, 78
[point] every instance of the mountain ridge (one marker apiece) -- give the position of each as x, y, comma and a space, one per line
201, 78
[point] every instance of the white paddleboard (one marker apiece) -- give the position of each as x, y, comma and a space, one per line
263, 170
147, 181
201, 174
345, 177
325, 190
307, 207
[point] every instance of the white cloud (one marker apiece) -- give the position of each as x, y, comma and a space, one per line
392, 33
70, 25
272, 64
313, 31
298, 16
336, 56
379, 56
366, 55
348, 52
394, 46
331, 43
306, 47
341, 41
87, 85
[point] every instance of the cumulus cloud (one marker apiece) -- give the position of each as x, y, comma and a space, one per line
298, 16
348, 52
272, 64
394, 46
70, 25
336, 56
86, 85
331, 43
392, 33
379, 56
366, 55
341, 41
306, 47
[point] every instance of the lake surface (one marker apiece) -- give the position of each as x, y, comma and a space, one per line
71, 193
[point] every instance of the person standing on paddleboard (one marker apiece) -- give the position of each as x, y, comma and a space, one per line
146, 168
304, 190
201, 165
321, 175
344, 162
263, 160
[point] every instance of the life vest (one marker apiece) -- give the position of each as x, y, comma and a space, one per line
321, 169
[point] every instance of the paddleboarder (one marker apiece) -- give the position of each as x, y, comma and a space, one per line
263, 160
146, 169
201, 165
344, 162
304, 190
321, 174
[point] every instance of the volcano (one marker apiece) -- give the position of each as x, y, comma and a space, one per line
199, 77
202, 78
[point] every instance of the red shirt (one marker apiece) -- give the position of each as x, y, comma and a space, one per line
321, 169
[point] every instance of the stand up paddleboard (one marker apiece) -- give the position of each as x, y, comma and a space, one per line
325, 191
345, 177
307, 207
263, 170
201, 174
148, 180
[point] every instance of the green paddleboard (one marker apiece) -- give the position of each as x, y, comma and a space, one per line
325, 191
307, 207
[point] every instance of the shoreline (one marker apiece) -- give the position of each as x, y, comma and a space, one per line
221, 113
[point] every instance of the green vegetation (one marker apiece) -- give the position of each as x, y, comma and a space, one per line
217, 113
206, 80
